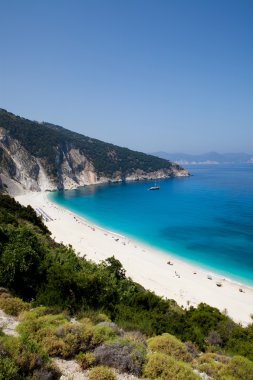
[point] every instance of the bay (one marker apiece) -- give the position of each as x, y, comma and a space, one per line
205, 219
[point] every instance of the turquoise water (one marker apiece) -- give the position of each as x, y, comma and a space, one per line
205, 219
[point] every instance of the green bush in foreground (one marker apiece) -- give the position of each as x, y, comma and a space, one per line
169, 345
220, 367
101, 373
40, 322
240, 368
122, 354
8, 369
13, 306
59, 337
23, 358
163, 367
86, 360
209, 364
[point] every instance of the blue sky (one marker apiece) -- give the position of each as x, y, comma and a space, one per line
150, 75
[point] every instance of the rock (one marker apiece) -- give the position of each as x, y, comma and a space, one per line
8, 324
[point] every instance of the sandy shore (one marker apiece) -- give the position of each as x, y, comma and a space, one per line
187, 284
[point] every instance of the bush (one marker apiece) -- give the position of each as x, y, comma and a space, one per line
136, 337
240, 368
169, 345
192, 349
86, 360
214, 339
101, 373
124, 355
60, 337
240, 341
31, 356
4, 291
39, 322
102, 333
163, 367
212, 368
111, 325
8, 369
23, 358
12, 306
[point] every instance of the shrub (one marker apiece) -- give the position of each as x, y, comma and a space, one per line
240, 342
64, 341
169, 345
101, 373
4, 291
53, 346
101, 334
136, 337
212, 369
9, 346
111, 325
60, 337
163, 367
123, 355
192, 349
86, 360
30, 355
12, 306
214, 365
210, 357
214, 339
240, 368
23, 358
94, 316
39, 323
8, 369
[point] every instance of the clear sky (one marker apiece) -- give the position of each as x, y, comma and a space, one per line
171, 75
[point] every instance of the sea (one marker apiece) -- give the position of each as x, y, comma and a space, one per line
205, 219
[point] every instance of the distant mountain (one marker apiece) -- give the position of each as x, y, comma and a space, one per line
38, 156
211, 158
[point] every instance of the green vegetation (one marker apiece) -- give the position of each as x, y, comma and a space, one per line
117, 323
122, 354
86, 360
33, 135
102, 373
21, 358
169, 345
164, 367
12, 306
58, 336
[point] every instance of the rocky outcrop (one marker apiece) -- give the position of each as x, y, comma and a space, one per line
19, 170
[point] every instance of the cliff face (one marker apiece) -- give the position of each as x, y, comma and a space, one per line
19, 170
61, 159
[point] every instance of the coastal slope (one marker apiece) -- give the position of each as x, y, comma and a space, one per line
155, 270
42, 156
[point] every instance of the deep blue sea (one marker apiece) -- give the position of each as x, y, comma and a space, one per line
205, 219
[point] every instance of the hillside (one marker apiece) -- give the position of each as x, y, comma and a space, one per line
39, 156
73, 310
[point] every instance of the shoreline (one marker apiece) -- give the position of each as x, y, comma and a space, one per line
165, 274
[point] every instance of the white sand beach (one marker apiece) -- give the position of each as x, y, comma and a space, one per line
187, 284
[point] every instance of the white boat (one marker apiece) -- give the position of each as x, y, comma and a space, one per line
154, 187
